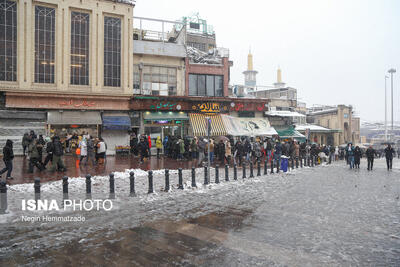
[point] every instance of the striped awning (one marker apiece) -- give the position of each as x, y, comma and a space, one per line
199, 124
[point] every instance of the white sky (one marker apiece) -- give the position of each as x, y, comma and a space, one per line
332, 51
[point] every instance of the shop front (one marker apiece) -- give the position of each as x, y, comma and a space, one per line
115, 132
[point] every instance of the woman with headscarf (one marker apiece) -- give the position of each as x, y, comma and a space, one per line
8, 156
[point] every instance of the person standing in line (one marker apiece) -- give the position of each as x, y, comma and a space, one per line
201, 145
194, 148
159, 146
8, 156
25, 142
336, 153
58, 152
228, 152
83, 148
296, 151
90, 151
212, 151
398, 152
370, 157
389, 153
277, 154
101, 151
357, 157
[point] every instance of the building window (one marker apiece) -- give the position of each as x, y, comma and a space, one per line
45, 19
112, 51
136, 79
157, 80
206, 85
8, 40
199, 46
79, 48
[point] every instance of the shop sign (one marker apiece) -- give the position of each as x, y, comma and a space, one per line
248, 106
164, 106
77, 103
209, 107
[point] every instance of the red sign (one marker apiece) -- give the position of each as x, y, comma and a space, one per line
77, 103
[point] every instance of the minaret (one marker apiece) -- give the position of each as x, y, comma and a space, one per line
279, 83
250, 74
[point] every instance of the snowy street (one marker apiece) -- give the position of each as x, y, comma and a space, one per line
327, 215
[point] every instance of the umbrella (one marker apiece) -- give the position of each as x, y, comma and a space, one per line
223, 138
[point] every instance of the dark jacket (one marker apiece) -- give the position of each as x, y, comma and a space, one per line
389, 152
278, 149
8, 153
58, 148
357, 153
370, 153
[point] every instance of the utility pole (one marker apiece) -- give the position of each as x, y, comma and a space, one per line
386, 109
391, 71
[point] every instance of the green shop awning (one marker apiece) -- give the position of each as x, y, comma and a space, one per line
289, 132
159, 116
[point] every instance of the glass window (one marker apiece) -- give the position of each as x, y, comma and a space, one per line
219, 86
205, 85
79, 48
192, 84
159, 80
136, 79
112, 51
45, 18
8, 40
210, 85
201, 84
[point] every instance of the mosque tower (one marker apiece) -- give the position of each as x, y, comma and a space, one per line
250, 74
279, 83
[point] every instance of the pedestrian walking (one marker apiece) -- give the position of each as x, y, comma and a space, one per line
40, 145
49, 151
90, 151
350, 155
25, 142
357, 157
101, 151
370, 157
389, 153
58, 152
143, 149
34, 156
8, 156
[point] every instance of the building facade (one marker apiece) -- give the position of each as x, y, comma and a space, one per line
71, 60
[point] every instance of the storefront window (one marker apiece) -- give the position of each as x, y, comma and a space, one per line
8, 40
44, 44
112, 51
205, 85
79, 48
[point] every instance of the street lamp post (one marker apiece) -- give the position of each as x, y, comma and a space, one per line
391, 71
386, 109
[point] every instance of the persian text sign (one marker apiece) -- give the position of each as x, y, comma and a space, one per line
210, 108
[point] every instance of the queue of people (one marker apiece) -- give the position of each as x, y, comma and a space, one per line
354, 154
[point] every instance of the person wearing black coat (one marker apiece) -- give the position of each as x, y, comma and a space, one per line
143, 149
8, 156
357, 157
239, 151
389, 152
370, 157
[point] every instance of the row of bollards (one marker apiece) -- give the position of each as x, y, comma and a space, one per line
309, 161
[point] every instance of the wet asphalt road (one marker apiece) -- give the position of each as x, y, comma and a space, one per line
322, 216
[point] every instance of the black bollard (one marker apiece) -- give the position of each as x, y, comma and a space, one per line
150, 182
205, 175
235, 172
3, 197
258, 168
266, 167
112, 186
227, 173
65, 187
297, 162
194, 177
180, 179
217, 174
244, 170
251, 170
37, 190
132, 183
88, 187
272, 166
166, 189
